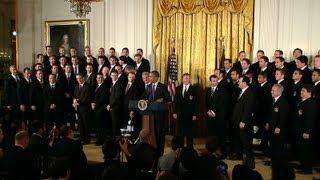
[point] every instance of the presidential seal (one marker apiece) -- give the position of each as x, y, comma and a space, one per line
142, 105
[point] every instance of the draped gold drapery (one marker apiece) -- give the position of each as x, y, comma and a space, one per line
200, 29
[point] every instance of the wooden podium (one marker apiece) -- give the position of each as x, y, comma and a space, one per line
148, 116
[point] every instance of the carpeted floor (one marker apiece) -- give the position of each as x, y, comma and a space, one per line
94, 154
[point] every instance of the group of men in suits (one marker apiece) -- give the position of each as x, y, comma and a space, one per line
94, 91
272, 101
275, 100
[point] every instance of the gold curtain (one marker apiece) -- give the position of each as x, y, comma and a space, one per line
200, 29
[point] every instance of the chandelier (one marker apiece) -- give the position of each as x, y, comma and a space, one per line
81, 7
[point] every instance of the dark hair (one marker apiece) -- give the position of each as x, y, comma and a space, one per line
38, 55
246, 79
113, 57
303, 59
246, 60
48, 47
110, 148
112, 48
139, 49
229, 60
101, 57
265, 58
89, 64
281, 71
235, 70
26, 69
36, 64
299, 71
185, 74
298, 49
260, 51
241, 52
213, 76
317, 56
76, 57
282, 170
221, 71
125, 48
138, 55
280, 58
156, 73
263, 74
308, 87
189, 157
317, 71
62, 57
123, 58
280, 51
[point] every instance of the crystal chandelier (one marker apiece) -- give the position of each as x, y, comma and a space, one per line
81, 7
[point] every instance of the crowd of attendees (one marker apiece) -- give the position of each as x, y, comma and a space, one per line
275, 101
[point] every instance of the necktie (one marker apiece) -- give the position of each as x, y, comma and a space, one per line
52, 87
185, 91
212, 91
128, 87
153, 91
97, 88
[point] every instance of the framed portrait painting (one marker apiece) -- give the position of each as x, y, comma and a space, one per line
68, 34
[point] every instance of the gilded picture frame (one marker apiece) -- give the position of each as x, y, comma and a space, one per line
68, 33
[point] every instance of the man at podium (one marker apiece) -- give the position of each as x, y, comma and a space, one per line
157, 92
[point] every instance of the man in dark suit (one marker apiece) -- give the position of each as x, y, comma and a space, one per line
242, 119
246, 66
125, 52
131, 92
237, 64
37, 98
216, 106
81, 102
102, 63
294, 96
90, 77
102, 53
11, 87
53, 98
91, 60
263, 102
306, 117
146, 61
302, 63
19, 163
158, 93
142, 66
115, 103
113, 62
256, 66
316, 87
99, 103
227, 66
60, 78
47, 54
77, 68
71, 83
277, 124
264, 67
279, 77
71, 149
186, 108
25, 96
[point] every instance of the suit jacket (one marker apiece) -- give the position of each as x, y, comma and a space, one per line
123, 79
243, 109
217, 102
286, 89
131, 94
306, 117
38, 145
144, 67
294, 96
161, 92
278, 115
316, 94
188, 105
84, 96
237, 66
130, 61
11, 88
25, 92
54, 97
263, 102
71, 83
116, 94
91, 81
270, 74
38, 94
62, 80
101, 97
306, 76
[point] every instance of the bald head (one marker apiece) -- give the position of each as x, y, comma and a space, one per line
144, 135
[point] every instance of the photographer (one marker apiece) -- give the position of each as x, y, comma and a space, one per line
141, 156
